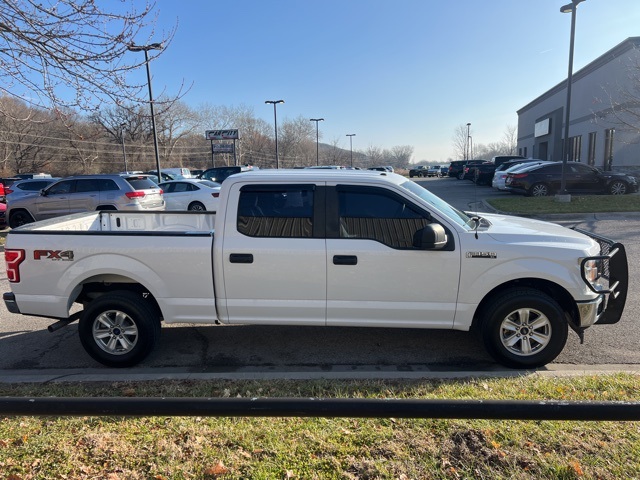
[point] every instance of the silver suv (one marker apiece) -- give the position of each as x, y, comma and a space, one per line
84, 193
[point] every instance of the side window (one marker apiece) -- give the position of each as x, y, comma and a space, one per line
61, 188
87, 185
106, 184
374, 214
283, 211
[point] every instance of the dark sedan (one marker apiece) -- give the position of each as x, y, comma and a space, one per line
546, 179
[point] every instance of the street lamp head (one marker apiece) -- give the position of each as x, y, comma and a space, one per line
468, 124
351, 134
316, 119
274, 102
145, 48
569, 7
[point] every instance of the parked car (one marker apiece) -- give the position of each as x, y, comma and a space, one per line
3, 215
545, 179
483, 173
500, 176
191, 194
455, 167
444, 171
418, 171
21, 188
166, 176
379, 169
433, 171
220, 174
4, 184
84, 193
468, 170
500, 159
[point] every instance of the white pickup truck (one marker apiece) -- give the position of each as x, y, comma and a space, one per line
317, 247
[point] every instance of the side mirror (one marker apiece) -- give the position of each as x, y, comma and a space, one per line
43, 192
431, 237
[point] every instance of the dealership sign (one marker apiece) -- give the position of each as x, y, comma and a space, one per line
221, 134
222, 148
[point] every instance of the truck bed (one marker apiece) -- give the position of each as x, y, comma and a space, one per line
117, 221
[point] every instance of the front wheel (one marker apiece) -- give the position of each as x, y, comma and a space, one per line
524, 328
618, 187
119, 329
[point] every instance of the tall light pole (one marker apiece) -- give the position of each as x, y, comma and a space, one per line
568, 8
275, 124
124, 153
317, 137
145, 49
351, 135
466, 149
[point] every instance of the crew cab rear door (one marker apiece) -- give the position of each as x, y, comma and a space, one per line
274, 255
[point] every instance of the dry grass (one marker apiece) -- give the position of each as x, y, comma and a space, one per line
320, 448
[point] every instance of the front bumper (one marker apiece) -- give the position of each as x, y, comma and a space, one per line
609, 305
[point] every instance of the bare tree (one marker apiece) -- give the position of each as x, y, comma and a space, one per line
25, 137
296, 142
461, 142
400, 156
510, 140
73, 53
624, 101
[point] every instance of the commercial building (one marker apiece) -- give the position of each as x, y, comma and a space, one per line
604, 126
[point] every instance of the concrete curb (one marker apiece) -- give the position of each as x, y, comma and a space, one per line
338, 372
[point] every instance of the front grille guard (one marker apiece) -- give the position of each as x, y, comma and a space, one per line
615, 271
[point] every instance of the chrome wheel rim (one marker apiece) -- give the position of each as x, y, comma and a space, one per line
525, 332
197, 207
115, 332
618, 188
539, 191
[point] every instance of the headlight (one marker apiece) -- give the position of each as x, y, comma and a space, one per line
591, 270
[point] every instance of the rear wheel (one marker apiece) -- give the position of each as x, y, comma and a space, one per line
119, 329
197, 207
524, 328
461, 176
539, 190
618, 187
19, 218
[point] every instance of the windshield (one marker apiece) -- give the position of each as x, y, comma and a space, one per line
456, 215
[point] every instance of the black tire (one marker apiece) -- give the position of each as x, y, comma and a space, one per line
524, 328
461, 176
119, 329
539, 190
618, 187
19, 218
197, 207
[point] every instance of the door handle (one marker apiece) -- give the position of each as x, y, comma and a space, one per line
241, 258
345, 260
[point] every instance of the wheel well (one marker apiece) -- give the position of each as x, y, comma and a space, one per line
555, 291
95, 288
106, 207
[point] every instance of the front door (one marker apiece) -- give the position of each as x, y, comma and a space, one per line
374, 274
55, 200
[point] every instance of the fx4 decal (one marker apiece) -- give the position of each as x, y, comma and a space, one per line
65, 255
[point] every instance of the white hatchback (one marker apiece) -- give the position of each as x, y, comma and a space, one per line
191, 194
